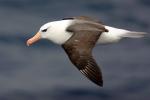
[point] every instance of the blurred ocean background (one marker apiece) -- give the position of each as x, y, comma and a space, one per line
44, 72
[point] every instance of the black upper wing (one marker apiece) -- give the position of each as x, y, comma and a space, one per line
79, 49
83, 18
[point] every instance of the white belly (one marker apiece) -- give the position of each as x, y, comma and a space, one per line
114, 35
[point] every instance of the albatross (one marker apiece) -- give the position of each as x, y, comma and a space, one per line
78, 36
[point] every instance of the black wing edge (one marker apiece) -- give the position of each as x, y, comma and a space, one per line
92, 72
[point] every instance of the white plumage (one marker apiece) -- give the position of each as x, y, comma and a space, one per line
56, 32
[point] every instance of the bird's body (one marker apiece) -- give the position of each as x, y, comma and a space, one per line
59, 35
78, 36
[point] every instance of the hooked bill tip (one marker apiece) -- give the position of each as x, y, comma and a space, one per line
34, 39
28, 43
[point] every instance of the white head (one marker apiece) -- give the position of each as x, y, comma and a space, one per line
45, 29
54, 31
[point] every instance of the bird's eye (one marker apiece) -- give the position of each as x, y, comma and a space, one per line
44, 30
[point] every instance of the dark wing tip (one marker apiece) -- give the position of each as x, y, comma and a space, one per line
100, 83
94, 77
93, 73
68, 18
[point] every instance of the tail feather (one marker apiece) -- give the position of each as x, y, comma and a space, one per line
132, 34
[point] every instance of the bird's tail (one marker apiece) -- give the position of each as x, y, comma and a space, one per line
132, 34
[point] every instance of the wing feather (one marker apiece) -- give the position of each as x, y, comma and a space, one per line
79, 49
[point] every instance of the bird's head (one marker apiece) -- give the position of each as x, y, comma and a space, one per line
54, 31
43, 32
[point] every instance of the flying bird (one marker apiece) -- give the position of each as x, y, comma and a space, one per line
78, 36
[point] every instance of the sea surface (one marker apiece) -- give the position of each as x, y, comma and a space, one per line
44, 72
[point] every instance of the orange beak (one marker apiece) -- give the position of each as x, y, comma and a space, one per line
34, 39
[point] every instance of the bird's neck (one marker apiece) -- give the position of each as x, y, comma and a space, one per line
58, 33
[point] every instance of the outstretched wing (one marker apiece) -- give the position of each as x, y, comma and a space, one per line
79, 49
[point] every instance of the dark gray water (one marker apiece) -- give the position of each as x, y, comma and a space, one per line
43, 71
